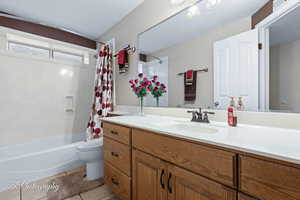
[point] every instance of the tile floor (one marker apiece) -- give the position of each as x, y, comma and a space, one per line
69, 184
100, 193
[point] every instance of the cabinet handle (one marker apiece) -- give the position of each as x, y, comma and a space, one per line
115, 182
169, 183
161, 179
114, 132
114, 154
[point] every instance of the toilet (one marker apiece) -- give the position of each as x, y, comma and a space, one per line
90, 152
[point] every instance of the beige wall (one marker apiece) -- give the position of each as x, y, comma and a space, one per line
33, 97
197, 53
284, 78
143, 17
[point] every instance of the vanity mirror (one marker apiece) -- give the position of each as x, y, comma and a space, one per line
208, 53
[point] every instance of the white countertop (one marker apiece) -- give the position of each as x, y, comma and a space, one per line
281, 144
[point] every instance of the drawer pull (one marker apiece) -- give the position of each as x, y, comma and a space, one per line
115, 154
114, 132
161, 179
115, 182
169, 183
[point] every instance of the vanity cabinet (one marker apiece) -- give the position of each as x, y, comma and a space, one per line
146, 165
154, 179
209, 162
117, 159
268, 180
149, 177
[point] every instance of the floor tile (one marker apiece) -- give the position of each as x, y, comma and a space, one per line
36, 190
74, 198
101, 193
13, 194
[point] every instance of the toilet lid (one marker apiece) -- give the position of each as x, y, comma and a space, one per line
91, 145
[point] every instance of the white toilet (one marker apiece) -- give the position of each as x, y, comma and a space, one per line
90, 152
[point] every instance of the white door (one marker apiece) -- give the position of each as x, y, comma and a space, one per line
236, 72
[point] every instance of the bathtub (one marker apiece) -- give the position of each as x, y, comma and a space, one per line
24, 163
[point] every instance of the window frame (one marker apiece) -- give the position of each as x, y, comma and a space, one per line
29, 45
65, 52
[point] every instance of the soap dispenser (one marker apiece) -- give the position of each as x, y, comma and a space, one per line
231, 113
240, 104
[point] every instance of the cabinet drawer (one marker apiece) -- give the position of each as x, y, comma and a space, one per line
118, 155
211, 163
119, 133
118, 182
269, 181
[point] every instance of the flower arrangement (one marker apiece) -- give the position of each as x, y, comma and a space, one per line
142, 86
157, 89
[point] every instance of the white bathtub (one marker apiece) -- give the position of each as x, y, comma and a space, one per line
36, 160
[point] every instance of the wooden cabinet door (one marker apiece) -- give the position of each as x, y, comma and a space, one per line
245, 197
149, 177
184, 185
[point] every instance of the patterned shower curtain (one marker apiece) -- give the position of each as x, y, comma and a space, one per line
103, 93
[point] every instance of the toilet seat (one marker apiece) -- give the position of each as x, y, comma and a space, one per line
92, 145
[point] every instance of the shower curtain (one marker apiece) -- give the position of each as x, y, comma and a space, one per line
102, 101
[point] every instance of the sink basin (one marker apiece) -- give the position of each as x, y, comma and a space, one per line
195, 128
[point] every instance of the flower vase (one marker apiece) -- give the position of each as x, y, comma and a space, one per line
157, 101
142, 106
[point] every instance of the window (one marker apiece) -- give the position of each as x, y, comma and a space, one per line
64, 56
28, 49
45, 49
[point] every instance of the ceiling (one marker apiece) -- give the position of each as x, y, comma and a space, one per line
90, 18
181, 27
286, 29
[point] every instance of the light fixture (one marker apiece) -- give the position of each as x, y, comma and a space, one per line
212, 3
193, 11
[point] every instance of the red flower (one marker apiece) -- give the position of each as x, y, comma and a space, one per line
92, 124
158, 83
153, 81
162, 85
133, 86
136, 81
141, 75
155, 89
155, 77
145, 79
97, 131
131, 82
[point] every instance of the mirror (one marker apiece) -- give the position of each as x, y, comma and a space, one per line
285, 63
189, 41
208, 54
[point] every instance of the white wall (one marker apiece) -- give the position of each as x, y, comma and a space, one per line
284, 78
33, 91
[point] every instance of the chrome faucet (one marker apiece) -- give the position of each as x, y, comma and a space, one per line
201, 117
